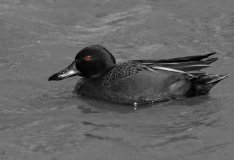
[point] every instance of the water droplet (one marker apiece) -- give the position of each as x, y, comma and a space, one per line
135, 106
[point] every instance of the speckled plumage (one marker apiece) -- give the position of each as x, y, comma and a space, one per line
122, 70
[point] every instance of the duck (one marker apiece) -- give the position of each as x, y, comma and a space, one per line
139, 81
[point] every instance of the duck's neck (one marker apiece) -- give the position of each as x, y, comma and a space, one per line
101, 71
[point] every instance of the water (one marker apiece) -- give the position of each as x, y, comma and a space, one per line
44, 120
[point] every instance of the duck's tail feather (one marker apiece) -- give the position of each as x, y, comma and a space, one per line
202, 84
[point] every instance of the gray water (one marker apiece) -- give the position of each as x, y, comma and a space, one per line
41, 120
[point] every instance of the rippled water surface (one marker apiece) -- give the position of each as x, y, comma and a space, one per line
44, 120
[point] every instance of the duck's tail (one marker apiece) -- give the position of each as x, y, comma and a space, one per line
202, 84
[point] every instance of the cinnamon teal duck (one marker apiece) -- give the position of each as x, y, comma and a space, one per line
139, 81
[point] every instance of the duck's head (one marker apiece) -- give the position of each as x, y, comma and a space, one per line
90, 62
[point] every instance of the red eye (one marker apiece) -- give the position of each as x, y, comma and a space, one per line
88, 58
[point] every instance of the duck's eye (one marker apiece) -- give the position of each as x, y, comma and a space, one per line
88, 58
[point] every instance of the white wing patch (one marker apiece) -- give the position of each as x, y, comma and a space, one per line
173, 70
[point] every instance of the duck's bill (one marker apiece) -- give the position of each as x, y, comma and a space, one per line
67, 72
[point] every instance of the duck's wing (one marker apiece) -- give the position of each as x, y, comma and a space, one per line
191, 64
188, 58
